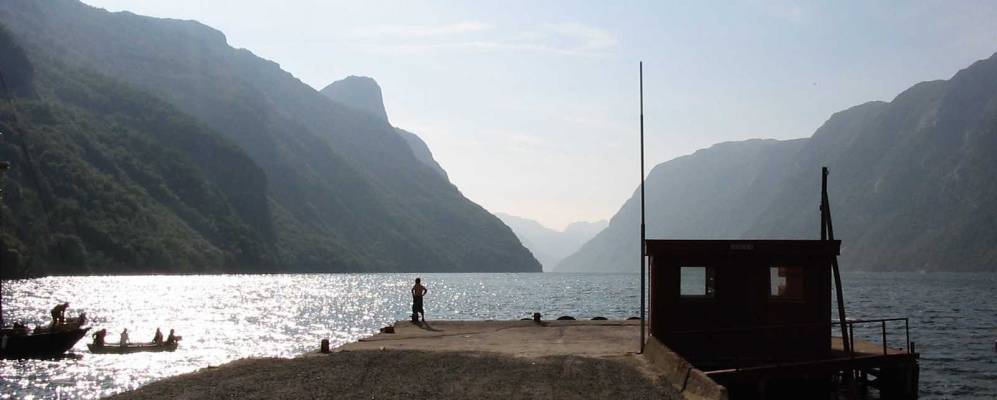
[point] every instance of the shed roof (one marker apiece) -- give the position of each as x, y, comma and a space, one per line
827, 248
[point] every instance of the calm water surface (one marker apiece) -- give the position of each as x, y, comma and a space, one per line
222, 318
953, 321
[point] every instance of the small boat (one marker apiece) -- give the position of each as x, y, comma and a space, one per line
45, 341
50, 341
70, 324
115, 348
19, 344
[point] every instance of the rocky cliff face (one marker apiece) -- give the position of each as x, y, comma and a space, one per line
358, 92
363, 94
422, 152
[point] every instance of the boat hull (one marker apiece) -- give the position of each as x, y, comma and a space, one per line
114, 348
39, 345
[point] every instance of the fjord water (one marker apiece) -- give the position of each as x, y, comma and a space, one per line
226, 317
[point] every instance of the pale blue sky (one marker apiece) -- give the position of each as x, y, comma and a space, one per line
531, 106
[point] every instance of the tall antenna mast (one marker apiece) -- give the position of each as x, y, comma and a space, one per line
643, 249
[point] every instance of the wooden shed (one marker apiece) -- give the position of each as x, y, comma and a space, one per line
723, 303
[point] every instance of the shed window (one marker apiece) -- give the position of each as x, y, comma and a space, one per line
696, 281
786, 282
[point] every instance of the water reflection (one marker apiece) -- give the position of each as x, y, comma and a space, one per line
223, 318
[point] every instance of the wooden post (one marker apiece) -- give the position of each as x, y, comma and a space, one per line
827, 233
643, 233
4, 166
884, 337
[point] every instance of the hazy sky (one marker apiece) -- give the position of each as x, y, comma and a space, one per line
532, 106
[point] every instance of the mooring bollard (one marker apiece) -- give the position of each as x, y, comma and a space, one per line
325, 346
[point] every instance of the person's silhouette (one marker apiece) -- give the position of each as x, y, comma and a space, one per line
417, 292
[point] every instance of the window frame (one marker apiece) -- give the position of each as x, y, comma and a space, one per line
709, 283
800, 298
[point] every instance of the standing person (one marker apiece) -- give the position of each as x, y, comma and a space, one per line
417, 292
124, 338
59, 314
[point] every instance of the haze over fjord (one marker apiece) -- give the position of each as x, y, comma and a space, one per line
532, 107
327, 182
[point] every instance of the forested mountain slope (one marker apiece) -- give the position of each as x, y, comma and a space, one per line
342, 191
106, 178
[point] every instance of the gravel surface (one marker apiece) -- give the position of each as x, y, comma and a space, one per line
414, 374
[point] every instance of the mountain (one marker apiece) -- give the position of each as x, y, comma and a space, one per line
338, 189
714, 193
550, 246
359, 93
912, 185
421, 152
106, 179
363, 94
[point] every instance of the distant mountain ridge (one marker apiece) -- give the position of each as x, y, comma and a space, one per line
912, 185
337, 189
550, 246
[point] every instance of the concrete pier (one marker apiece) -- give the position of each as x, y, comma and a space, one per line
457, 359
605, 339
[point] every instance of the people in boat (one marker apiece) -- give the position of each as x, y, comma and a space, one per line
418, 291
59, 314
172, 338
124, 338
98, 337
21, 329
158, 338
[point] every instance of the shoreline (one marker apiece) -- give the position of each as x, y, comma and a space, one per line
277, 273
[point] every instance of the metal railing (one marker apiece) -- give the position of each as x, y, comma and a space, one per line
771, 333
850, 327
